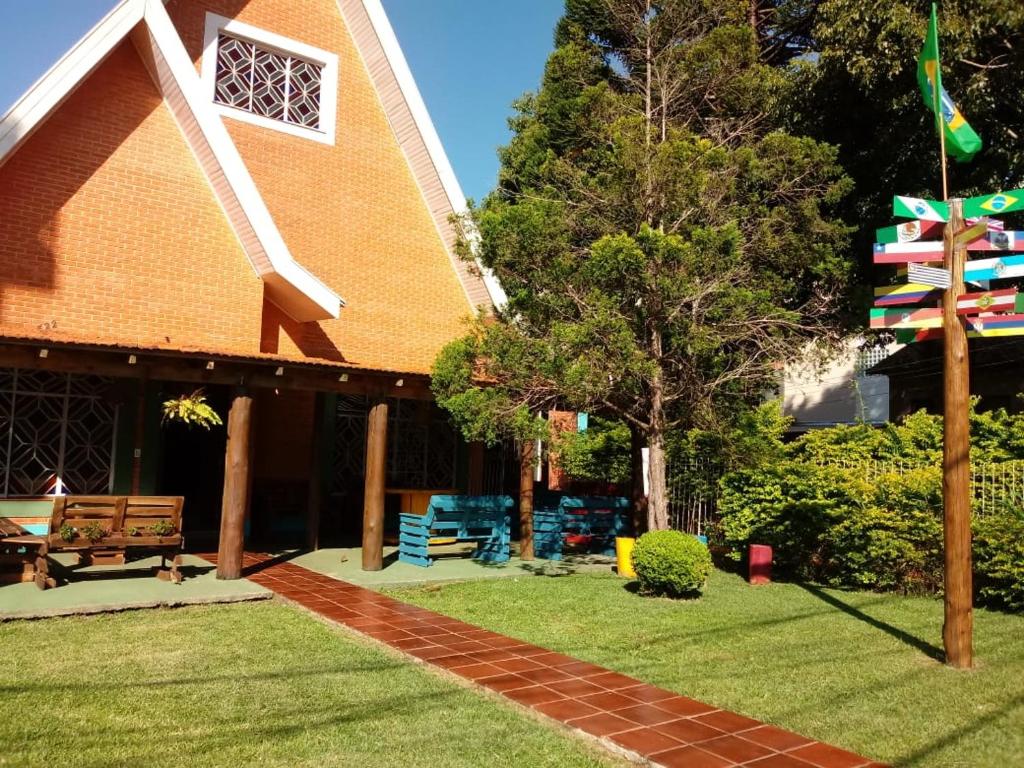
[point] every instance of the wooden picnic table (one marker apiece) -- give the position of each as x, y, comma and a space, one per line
7, 528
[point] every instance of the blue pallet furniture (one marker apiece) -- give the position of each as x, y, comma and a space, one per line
602, 518
483, 519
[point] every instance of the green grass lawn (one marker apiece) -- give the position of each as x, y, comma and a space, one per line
242, 686
854, 669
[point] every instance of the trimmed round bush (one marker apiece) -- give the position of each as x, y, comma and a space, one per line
671, 563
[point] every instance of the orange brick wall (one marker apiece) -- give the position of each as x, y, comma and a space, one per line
110, 233
351, 213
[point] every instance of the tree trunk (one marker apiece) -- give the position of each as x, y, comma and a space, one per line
527, 456
657, 503
638, 496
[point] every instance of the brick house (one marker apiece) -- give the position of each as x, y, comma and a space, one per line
246, 196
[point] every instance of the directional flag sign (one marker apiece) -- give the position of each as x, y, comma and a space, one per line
929, 250
1002, 268
995, 325
909, 231
994, 225
1004, 300
1000, 202
971, 233
906, 318
919, 208
909, 293
936, 277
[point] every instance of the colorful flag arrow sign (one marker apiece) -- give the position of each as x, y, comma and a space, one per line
919, 208
906, 318
1001, 268
1004, 300
937, 277
908, 231
909, 293
971, 233
1000, 202
931, 250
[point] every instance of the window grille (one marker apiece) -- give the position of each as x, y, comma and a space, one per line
267, 83
422, 445
57, 433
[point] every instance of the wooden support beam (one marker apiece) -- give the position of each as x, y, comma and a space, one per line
527, 456
957, 629
373, 490
193, 369
236, 487
316, 468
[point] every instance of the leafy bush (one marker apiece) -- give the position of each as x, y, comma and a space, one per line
671, 563
999, 560
845, 527
192, 410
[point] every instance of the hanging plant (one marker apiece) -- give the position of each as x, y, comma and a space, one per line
192, 410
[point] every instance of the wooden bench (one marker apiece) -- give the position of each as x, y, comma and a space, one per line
20, 517
598, 519
89, 524
483, 519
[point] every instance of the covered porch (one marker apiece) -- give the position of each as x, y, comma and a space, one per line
310, 455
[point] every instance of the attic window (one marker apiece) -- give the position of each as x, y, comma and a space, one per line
266, 83
259, 77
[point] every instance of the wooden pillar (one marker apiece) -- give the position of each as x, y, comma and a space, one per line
138, 438
475, 486
316, 468
527, 455
957, 629
376, 476
237, 463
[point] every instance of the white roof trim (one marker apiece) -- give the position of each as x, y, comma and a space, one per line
411, 93
301, 295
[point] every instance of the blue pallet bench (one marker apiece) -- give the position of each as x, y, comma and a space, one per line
483, 519
601, 518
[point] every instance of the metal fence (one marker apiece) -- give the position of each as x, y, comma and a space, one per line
693, 486
693, 493
994, 486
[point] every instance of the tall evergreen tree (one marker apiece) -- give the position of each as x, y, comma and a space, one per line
663, 243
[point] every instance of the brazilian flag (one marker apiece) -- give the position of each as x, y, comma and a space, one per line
962, 142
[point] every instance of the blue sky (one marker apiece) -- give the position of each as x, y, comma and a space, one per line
470, 58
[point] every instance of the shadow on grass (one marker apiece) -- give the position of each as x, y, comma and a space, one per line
86, 686
922, 756
925, 647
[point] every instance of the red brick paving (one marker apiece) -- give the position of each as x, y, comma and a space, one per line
661, 726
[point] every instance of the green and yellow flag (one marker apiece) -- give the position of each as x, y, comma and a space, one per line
961, 140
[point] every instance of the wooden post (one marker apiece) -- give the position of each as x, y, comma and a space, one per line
527, 455
316, 468
956, 463
236, 487
138, 438
475, 486
376, 476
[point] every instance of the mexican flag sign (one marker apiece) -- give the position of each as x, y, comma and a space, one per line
962, 142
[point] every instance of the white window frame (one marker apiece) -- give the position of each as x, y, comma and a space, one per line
328, 62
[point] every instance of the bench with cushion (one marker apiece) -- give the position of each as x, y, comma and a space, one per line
23, 516
593, 520
88, 524
483, 519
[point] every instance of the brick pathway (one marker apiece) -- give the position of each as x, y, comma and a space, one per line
631, 716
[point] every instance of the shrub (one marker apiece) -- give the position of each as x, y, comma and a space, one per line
999, 560
671, 563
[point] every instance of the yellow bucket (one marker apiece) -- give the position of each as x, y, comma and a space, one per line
624, 555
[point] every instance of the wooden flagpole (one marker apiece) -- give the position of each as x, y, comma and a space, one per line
958, 624
957, 628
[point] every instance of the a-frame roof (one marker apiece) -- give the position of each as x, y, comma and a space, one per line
299, 293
